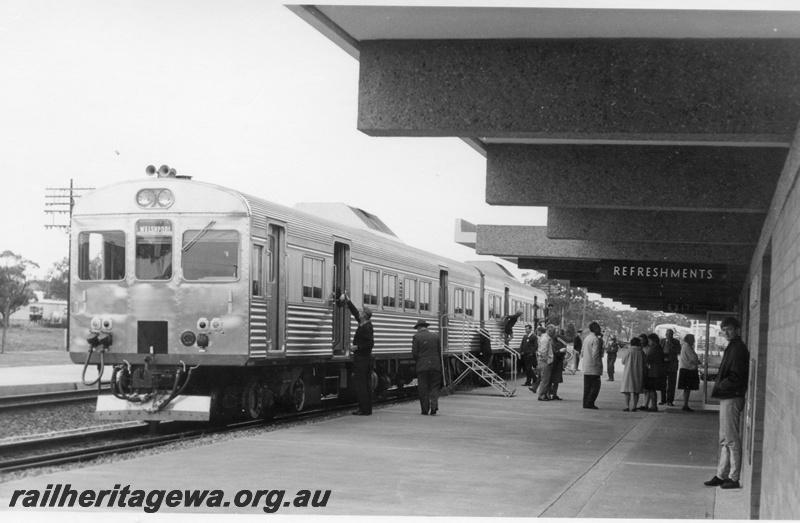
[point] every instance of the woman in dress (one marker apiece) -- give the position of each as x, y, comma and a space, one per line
557, 374
644, 342
633, 374
688, 376
654, 357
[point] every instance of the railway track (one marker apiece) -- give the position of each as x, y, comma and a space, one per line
142, 438
43, 399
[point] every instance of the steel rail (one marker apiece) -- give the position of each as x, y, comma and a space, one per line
46, 398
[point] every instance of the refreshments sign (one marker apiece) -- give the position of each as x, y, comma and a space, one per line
655, 272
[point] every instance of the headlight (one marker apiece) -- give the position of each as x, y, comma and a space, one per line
188, 338
146, 198
202, 324
108, 324
165, 198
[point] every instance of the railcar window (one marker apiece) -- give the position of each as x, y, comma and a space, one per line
494, 307
424, 296
389, 290
458, 301
469, 306
271, 259
256, 269
154, 249
370, 286
410, 294
312, 278
101, 255
212, 255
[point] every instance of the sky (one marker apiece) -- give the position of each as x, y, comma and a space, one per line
240, 93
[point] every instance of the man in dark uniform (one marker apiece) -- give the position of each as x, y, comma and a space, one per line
508, 325
672, 349
363, 341
427, 353
528, 349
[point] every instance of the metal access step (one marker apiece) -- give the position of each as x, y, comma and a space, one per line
475, 365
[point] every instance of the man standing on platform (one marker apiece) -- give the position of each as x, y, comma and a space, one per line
731, 389
611, 355
363, 340
592, 366
577, 345
427, 353
545, 362
672, 350
528, 348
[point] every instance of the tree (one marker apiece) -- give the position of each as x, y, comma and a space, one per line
565, 303
58, 280
571, 306
15, 291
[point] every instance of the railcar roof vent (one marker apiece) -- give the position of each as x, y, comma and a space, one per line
347, 215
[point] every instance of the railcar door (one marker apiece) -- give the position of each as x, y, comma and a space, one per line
341, 283
275, 288
443, 303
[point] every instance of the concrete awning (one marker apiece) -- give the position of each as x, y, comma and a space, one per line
654, 134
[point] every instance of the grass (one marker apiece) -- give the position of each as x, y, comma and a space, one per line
33, 344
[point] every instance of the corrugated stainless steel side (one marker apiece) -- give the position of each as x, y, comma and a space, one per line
393, 332
462, 334
258, 328
309, 330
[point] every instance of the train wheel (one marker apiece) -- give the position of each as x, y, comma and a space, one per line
299, 394
253, 401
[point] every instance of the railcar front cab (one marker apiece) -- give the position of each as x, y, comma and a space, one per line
158, 293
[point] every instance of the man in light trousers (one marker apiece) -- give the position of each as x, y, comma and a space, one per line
731, 389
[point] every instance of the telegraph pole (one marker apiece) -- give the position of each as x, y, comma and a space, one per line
58, 203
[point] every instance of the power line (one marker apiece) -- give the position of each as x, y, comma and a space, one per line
58, 203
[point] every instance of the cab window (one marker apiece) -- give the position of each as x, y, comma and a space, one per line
210, 255
153, 249
101, 255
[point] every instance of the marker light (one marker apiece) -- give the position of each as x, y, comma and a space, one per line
96, 323
216, 324
202, 324
108, 324
165, 198
146, 198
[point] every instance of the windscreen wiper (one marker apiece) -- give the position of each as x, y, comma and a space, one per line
197, 236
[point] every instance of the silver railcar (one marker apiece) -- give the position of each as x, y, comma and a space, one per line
202, 300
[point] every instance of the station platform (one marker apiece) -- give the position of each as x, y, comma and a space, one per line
483, 455
15, 381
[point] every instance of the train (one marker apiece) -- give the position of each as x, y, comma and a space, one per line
200, 302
